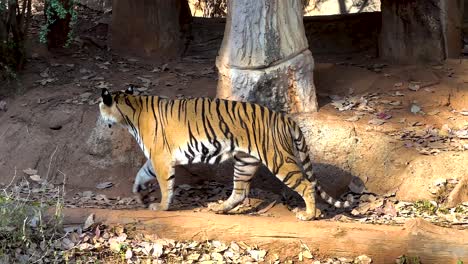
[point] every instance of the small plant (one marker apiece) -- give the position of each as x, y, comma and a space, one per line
443, 210
425, 206
408, 260
27, 234
442, 193
460, 209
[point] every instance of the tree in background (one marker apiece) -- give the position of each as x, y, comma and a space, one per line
15, 18
151, 28
60, 17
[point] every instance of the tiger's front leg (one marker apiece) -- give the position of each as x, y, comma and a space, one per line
144, 175
165, 175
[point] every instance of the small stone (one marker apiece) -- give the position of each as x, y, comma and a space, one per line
415, 108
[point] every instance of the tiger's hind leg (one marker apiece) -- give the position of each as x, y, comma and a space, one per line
291, 174
245, 167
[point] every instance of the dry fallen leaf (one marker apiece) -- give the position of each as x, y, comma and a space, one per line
157, 250
104, 185
306, 254
30, 171
89, 221
433, 112
267, 208
376, 121
353, 119
35, 178
383, 116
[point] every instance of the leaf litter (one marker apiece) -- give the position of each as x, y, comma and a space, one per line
92, 240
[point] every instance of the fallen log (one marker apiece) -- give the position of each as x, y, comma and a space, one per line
418, 238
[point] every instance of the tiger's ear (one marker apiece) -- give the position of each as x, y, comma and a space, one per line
129, 90
106, 97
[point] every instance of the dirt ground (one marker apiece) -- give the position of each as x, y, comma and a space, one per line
49, 123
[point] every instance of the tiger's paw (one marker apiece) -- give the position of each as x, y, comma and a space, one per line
157, 207
304, 216
138, 188
216, 207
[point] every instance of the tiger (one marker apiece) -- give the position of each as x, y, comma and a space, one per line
211, 131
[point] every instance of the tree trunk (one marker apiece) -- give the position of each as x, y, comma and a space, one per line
420, 30
57, 36
156, 28
383, 243
264, 56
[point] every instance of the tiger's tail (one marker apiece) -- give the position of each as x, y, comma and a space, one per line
303, 151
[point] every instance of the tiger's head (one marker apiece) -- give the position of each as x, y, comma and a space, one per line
117, 106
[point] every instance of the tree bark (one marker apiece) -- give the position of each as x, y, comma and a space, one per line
420, 30
417, 238
264, 56
150, 28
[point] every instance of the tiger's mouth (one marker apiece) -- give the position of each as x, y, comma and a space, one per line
107, 121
